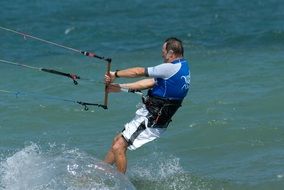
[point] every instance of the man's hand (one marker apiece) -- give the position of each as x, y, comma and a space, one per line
109, 77
113, 87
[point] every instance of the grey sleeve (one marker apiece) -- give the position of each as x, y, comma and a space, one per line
165, 70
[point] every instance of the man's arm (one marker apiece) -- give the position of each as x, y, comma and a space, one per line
131, 72
126, 73
138, 85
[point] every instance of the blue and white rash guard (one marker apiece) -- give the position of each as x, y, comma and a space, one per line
172, 79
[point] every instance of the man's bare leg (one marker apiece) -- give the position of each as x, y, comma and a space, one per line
117, 154
110, 155
120, 148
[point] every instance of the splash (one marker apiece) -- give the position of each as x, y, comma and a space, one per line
33, 169
159, 171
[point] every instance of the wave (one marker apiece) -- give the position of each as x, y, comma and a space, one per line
159, 171
59, 168
33, 169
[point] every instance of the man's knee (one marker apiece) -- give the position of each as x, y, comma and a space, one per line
119, 144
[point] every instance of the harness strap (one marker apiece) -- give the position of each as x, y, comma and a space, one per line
161, 110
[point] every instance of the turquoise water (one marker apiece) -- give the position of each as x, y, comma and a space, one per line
227, 135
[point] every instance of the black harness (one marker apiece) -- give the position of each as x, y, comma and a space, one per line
160, 110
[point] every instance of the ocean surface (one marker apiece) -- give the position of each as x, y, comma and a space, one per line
228, 135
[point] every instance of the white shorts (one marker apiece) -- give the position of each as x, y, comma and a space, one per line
138, 132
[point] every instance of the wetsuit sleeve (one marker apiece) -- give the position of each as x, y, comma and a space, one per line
146, 72
165, 70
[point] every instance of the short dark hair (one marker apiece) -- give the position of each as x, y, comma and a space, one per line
175, 45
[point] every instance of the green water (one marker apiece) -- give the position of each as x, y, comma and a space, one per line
227, 135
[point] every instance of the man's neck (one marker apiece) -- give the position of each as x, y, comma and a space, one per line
175, 58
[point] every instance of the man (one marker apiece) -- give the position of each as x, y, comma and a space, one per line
168, 85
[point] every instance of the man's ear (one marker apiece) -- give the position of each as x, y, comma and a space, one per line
169, 54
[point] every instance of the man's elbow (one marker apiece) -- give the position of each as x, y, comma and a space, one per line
140, 72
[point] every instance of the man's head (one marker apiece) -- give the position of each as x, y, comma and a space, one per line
172, 49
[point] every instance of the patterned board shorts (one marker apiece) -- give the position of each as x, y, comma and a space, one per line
140, 131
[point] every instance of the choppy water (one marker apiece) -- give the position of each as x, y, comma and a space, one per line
227, 135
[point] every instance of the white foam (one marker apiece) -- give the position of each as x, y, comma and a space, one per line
68, 30
279, 176
34, 169
160, 171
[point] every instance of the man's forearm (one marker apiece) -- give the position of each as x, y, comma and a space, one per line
131, 73
139, 85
